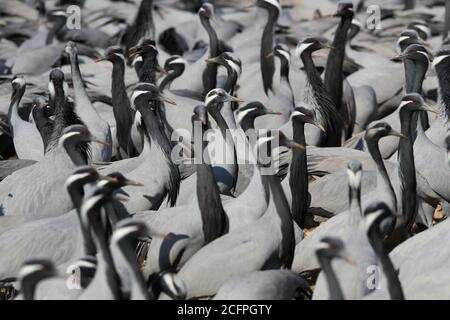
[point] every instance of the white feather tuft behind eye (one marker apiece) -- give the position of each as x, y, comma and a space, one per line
439, 59
123, 232
285, 54
51, 89
403, 103
29, 269
234, 66
241, 115
20, 81
302, 47
121, 56
354, 178
135, 95
179, 61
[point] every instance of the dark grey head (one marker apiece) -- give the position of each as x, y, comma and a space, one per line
145, 92
282, 52
332, 247
113, 54
206, 11
271, 5
414, 102
82, 271
309, 45
416, 52
219, 96
129, 229
379, 131
18, 83
408, 37
375, 214
422, 28
228, 60
345, 10
56, 17
355, 28
280, 139
32, 272
76, 133
82, 176
116, 180
146, 47
441, 61
57, 85
18, 86
305, 115
175, 62
253, 110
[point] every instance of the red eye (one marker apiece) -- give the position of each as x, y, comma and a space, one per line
332, 246
83, 133
413, 100
413, 50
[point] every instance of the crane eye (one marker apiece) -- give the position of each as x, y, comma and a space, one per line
414, 101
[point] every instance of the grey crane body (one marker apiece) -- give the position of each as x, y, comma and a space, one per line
27, 140
163, 182
175, 236
20, 197
336, 226
264, 285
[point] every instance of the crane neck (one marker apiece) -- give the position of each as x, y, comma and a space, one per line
382, 175
334, 287
394, 285
106, 273
298, 178
214, 219
210, 72
121, 105
334, 74
406, 171
167, 81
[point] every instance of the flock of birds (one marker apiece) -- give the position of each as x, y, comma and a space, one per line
94, 204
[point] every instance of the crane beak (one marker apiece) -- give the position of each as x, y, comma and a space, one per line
133, 183
105, 143
161, 70
167, 100
236, 99
398, 57
351, 261
329, 46
270, 55
296, 145
211, 60
397, 134
249, 6
321, 127
270, 111
100, 59
431, 109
